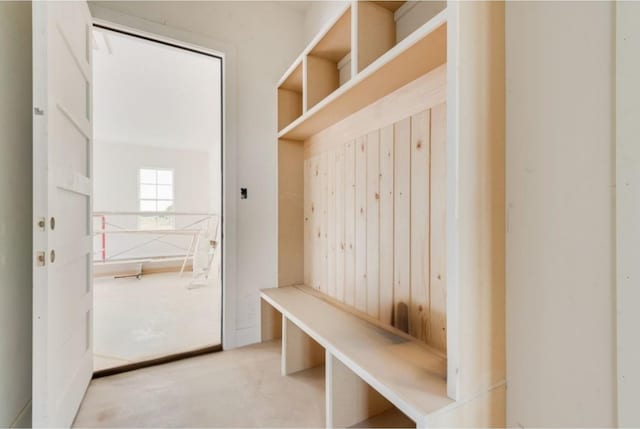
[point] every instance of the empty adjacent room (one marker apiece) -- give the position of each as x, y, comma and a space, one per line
156, 199
306, 214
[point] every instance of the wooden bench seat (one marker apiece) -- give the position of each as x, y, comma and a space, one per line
408, 374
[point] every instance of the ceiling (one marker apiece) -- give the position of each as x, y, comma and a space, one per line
151, 94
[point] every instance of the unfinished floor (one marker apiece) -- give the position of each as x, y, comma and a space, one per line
157, 315
237, 388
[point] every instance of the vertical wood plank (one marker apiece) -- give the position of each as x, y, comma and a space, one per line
386, 224
349, 222
331, 224
402, 224
339, 220
361, 224
324, 215
373, 207
368, 218
308, 221
315, 223
419, 308
438, 291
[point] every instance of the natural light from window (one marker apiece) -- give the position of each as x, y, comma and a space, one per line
156, 195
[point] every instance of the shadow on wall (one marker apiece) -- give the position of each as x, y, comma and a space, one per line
15, 214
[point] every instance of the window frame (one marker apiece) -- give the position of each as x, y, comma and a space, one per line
143, 220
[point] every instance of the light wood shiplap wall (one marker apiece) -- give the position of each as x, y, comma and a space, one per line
374, 219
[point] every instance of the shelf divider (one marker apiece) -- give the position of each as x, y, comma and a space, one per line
422, 51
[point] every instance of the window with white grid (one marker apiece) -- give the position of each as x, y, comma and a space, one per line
155, 195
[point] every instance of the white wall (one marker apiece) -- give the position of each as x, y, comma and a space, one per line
115, 187
560, 199
317, 16
628, 210
412, 16
15, 214
266, 37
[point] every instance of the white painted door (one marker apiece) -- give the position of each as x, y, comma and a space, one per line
62, 204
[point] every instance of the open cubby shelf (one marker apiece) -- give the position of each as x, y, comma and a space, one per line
345, 69
290, 97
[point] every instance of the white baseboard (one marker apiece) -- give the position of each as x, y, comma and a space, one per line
246, 336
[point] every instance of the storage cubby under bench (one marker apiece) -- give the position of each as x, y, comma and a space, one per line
370, 371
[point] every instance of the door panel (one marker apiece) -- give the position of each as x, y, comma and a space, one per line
62, 334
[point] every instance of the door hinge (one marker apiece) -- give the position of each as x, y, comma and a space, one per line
41, 259
38, 111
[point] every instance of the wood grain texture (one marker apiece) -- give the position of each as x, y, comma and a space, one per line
339, 224
336, 42
299, 350
386, 224
316, 222
291, 213
349, 399
422, 94
376, 32
401, 65
308, 221
349, 222
404, 370
322, 78
289, 107
419, 307
372, 223
331, 224
438, 227
361, 224
270, 322
479, 335
402, 224
459, 263
379, 246
323, 212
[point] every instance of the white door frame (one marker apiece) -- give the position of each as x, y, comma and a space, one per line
227, 52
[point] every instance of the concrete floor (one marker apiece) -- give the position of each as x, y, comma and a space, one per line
155, 316
237, 388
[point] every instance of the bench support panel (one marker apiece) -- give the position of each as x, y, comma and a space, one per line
270, 322
349, 399
299, 350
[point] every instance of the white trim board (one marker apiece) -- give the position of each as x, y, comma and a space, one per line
228, 53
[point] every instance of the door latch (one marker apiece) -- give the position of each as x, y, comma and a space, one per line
38, 111
42, 224
41, 259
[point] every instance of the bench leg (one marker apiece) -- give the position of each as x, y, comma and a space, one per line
270, 322
349, 399
299, 351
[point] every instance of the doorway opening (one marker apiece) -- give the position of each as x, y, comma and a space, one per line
157, 206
